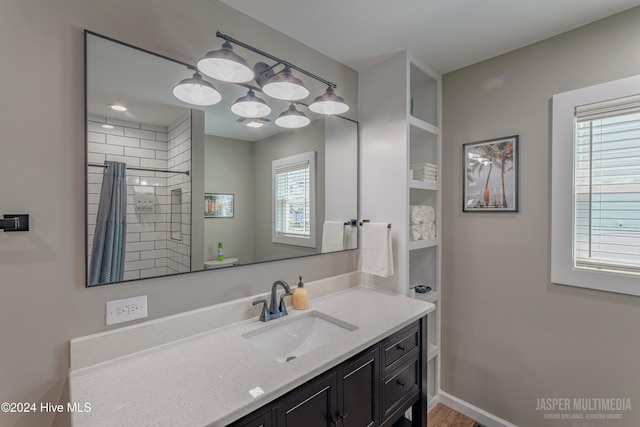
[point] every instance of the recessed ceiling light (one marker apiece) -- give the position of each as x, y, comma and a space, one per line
117, 107
107, 126
254, 124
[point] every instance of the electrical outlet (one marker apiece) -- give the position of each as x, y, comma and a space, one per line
124, 310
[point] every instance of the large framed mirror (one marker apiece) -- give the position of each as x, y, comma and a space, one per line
174, 188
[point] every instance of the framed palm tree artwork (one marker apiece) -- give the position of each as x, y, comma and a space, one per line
490, 171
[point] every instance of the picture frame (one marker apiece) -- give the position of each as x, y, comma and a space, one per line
218, 205
490, 175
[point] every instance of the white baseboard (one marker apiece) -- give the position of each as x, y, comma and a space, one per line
466, 408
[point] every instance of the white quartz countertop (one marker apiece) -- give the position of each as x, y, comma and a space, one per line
206, 379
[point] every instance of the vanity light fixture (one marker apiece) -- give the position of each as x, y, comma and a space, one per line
105, 126
117, 107
286, 86
329, 103
197, 91
292, 118
250, 106
225, 65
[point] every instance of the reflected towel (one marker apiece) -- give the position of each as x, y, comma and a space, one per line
377, 254
332, 236
351, 237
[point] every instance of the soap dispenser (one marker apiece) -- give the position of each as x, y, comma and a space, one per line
220, 256
300, 296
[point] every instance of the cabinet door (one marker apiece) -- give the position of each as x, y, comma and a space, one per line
358, 385
262, 420
312, 406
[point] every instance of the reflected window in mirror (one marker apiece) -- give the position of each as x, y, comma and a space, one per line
294, 201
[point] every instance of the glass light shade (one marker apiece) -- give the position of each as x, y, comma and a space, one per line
225, 65
250, 106
329, 103
292, 118
117, 107
286, 86
196, 91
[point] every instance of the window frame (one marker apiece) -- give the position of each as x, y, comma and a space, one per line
309, 242
562, 194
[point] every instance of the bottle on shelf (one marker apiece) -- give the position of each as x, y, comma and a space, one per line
220, 256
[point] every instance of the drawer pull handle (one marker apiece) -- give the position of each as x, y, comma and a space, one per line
401, 348
401, 383
339, 418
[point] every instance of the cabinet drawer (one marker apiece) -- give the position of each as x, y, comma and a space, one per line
403, 343
253, 420
399, 386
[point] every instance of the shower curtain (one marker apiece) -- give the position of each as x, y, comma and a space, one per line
107, 255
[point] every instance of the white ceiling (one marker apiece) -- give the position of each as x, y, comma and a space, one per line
446, 34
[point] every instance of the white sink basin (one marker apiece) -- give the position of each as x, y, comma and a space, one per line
293, 337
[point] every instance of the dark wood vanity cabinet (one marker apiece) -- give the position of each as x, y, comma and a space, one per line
374, 388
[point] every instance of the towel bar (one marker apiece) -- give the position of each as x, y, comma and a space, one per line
366, 220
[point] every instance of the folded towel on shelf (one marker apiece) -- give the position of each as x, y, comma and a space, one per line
418, 175
424, 172
430, 214
332, 236
428, 231
415, 232
424, 166
377, 254
433, 178
417, 214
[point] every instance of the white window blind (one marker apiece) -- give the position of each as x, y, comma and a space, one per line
607, 186
292, 198
294, 182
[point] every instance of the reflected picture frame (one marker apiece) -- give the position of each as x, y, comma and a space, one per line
218, 205
490, 175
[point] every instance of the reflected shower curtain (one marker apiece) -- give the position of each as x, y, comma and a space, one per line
107, 255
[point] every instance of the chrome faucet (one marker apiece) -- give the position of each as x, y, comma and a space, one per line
275, 310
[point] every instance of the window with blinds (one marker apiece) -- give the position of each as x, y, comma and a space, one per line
294, 200
606, 213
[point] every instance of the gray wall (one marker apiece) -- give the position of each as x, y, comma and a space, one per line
229, 169
509, 336
292, 142
43, 301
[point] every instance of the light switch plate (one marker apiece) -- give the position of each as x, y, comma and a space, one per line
124, 310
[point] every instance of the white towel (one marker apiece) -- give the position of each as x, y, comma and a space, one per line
332, 236
415, 232
430, 214
424, 166
418, 175
428, 231
417, 214
350, 237
377, 254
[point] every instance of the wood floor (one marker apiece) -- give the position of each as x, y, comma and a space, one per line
443, 416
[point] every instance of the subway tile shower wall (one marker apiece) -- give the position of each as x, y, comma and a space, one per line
150, 249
